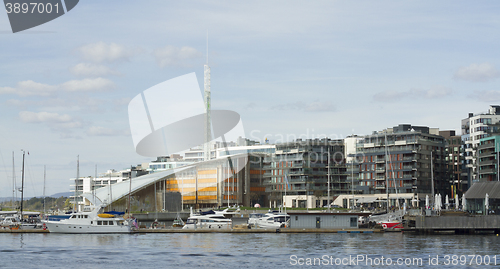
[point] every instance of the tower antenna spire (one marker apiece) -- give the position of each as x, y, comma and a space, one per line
208, 119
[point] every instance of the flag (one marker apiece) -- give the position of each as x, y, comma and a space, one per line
134, 222
287, 183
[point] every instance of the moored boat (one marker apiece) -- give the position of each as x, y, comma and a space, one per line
90, 221
272, 220
208, 220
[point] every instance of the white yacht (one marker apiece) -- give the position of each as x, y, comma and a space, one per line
208, 220
253, 218
272, 220
90, 221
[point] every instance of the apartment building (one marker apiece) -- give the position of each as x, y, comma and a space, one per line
403, 159
474, 128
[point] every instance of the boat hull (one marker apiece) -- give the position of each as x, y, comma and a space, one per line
392, 225
58, 227
208, 226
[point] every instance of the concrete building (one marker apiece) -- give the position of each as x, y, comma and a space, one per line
488, 159
474, 128
323, 220
457, 175
196, 154
103, 180
310, 166
398, 161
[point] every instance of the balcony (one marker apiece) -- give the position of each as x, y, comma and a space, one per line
487, 162
488, 171
487, 145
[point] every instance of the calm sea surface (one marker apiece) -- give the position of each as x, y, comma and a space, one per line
247, 250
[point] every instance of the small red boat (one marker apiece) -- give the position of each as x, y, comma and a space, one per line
392, 225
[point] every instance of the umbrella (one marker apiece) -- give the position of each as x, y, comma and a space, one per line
486, 203
426, 201
436, 203
456, 201
464, 203
440, 202
447, 201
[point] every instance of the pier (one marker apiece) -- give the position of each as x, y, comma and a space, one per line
458, 224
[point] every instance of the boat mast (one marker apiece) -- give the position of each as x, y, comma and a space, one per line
93, 185
22, 188
328, 174
14, 196
76, 180
130, 191
386, 177
44, 175
432, 180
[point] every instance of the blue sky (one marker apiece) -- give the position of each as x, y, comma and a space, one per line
289, 68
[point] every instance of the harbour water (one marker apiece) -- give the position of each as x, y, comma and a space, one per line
224, 250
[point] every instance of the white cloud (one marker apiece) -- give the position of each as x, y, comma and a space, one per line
102, 131
433, 93
92, 70
34, 117
29, 88
316, 106
174, 56
486, 96
88, 84
477, 72
101, 52
60, 123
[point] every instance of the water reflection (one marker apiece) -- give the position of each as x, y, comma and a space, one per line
209, 250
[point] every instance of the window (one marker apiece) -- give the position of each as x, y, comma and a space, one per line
354, 222
99, 222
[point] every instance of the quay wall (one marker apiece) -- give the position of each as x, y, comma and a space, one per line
477, 222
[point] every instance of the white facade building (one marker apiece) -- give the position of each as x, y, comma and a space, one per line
475, 127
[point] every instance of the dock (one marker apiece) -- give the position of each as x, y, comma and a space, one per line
177, 230
458, 224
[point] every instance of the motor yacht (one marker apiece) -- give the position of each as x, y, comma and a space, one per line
90, 221
208, 220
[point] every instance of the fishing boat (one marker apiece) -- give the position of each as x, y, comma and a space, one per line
90, 220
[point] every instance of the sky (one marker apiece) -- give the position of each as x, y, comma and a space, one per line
291, 69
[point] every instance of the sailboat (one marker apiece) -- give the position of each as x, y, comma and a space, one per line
22, 224
90, 220
394, 220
